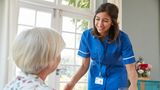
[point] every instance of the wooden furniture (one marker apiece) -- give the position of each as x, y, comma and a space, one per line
148, 85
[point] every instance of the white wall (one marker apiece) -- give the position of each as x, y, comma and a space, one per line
140, 19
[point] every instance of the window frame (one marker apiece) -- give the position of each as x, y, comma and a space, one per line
58, 11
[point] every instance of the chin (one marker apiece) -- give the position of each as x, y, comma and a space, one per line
100, 31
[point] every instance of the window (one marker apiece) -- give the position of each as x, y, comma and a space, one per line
30, 16
77, 3
72, 29
70, 18
119, 4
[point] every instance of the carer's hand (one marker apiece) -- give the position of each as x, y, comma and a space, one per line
68, 87
132, 87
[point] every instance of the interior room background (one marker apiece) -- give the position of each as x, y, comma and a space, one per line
139, 18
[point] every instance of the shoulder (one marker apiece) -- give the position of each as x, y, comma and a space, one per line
124, 38
123, 35
28, 82
37, 85
87, 33
44, 88
37, 88
12, 84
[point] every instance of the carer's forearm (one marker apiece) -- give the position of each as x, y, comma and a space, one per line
133, 78
82, 70
132, 75
78, 75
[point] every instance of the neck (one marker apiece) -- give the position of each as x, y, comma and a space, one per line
104, 34
43, 75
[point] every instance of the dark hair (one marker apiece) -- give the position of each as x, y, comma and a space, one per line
112, 11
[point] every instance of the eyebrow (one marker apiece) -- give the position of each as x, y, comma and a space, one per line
104, 18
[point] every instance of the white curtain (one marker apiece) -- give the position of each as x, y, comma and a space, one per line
8, 29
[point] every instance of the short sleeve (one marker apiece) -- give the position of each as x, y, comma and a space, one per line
83, 47
127, 51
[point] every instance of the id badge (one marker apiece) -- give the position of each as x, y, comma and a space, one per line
99, 80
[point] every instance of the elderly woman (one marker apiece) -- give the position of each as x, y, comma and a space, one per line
37, 53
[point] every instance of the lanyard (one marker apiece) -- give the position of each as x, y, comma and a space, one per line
101, 57
99, 63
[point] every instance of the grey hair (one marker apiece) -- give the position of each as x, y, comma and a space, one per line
35, 48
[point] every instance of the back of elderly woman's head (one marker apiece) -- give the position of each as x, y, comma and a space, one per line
34, 49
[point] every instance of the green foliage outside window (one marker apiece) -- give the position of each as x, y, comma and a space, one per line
80, 4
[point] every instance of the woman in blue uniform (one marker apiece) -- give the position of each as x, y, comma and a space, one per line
107, 53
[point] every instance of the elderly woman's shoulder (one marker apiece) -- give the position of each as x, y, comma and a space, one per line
27, 83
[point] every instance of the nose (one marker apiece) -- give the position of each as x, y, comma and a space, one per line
100, 23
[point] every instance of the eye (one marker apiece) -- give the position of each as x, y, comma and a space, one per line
106, 20
97, 19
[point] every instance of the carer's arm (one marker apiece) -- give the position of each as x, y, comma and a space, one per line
132, 75
82, 70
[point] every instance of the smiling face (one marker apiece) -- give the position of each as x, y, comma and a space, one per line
103, 22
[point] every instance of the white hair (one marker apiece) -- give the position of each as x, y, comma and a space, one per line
35, 48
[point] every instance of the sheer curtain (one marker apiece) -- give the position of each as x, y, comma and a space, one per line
8, 28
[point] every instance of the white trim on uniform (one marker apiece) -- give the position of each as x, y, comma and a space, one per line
83, 52
128, 58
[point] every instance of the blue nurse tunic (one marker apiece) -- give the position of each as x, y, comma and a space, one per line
107, 68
